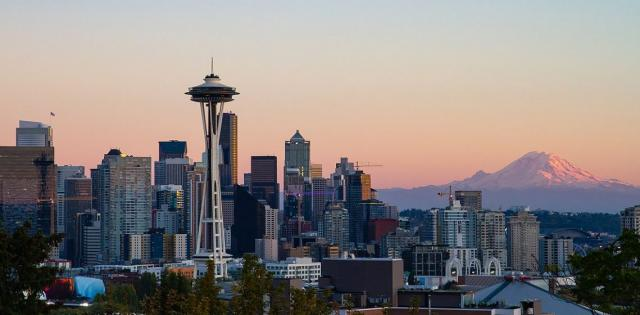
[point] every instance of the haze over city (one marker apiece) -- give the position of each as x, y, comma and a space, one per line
434, 91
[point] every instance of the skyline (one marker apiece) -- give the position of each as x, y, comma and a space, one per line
470, 87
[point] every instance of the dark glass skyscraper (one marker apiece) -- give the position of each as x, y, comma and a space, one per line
249, 222
27, 188
229, 145
358, 189
172, 149
264, 180
297, 152
77, 196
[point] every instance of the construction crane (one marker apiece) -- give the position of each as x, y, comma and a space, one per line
450, 194
358, 165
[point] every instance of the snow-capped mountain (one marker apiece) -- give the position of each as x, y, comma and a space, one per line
537, 179
539, 170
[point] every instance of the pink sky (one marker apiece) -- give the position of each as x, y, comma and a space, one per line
434, 93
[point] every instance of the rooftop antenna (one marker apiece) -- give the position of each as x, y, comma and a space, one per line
211, 65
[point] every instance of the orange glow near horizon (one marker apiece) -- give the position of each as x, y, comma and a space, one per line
432, 91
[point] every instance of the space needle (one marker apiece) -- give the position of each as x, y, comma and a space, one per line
210, 241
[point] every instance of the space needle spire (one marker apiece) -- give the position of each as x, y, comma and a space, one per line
210, 241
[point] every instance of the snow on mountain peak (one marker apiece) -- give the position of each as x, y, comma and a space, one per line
536, 169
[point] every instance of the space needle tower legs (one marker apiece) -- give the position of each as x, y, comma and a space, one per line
210, 240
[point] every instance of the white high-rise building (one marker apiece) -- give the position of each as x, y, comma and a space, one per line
523, 231
490, 236
630, 219
456, 226
334, 226
123, 186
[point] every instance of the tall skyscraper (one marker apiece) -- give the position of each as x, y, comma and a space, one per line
193, 198
170, 214
77, 199
172, 149
297, 153
456, 227
490, 236
171, 171
338, 178
124, 200
335, 226
88, 238
33, 134
358, 189
630, 219
249, 225
27, 188
264, 180
320, 195
469, 199
229, 146
62, 173
554, 254
523, 230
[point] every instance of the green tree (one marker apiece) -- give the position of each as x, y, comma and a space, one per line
609, 279
251, 289
146, 285
22, 278
206, 291
306, 302
172, 297
277, 300
414, 309
118, 298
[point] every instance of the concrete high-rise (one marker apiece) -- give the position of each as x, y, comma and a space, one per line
630, 219
554, 254
469, 199
212, 95
229, 146
490, 236
193, 198
171, 171
264, 180
170, 214
27, 188
88, 249
523, 231
123, 184
334, 226
33, 134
